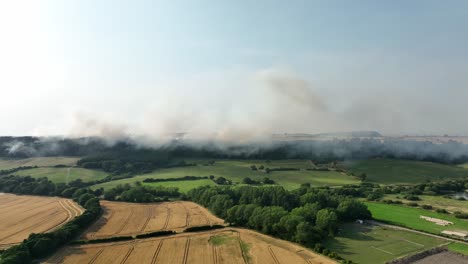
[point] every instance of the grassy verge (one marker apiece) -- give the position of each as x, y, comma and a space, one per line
236, 171
245, 248
221, 240
374, 244
60, 175
459, 248
6, 164
392, 171
450, 205
410, 217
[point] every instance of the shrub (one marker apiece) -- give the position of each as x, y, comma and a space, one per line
461, 215
203, 228
156, 234
411, 197
442, 211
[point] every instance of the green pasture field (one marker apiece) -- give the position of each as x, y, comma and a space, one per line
410, 217
390, 171
465, 165
375, 244
58, 175
6, 164
184, 186
237, 170
459, 248
441, 202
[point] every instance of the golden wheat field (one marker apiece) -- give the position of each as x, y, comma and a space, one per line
23, 215
225, 246
121, 219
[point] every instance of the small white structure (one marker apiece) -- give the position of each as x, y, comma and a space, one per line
454, 233
359, 221
436, 220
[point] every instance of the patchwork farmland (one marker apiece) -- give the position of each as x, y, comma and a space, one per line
23, 215
120, 219
222, 246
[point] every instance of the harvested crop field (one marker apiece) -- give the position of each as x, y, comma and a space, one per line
121, 219
217, 247
444, 258
23, 215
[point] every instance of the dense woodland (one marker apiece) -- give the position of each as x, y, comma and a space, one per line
306, 215
118, 156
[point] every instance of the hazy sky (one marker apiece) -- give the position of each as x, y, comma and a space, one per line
233, 67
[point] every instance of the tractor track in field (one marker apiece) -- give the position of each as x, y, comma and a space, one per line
187, 216
156, 252
96, 256
240, 246
129, 252
148, 218
272, 254
41, 205
78, 210
186, 250
121, 228
215, 254
13, 202
303, 257
31, 226
70, 215
168, 216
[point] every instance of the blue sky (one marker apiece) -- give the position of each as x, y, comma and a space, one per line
89, 67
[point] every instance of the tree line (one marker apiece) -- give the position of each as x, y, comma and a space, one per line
450, 152
138, 193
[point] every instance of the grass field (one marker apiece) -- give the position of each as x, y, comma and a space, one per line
410, 217
6, 164
388, 171
237, 170
459, 248
184, 186
450, 205
372, 244
60, 174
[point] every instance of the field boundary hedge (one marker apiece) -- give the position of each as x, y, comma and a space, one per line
156, 234
102, 240
185, 178
203, 228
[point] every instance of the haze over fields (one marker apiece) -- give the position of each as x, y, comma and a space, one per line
232, 70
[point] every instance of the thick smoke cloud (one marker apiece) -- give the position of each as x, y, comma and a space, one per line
244, 108
317, 150
262, 103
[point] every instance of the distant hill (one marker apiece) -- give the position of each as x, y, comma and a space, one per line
333, 134
352, 134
